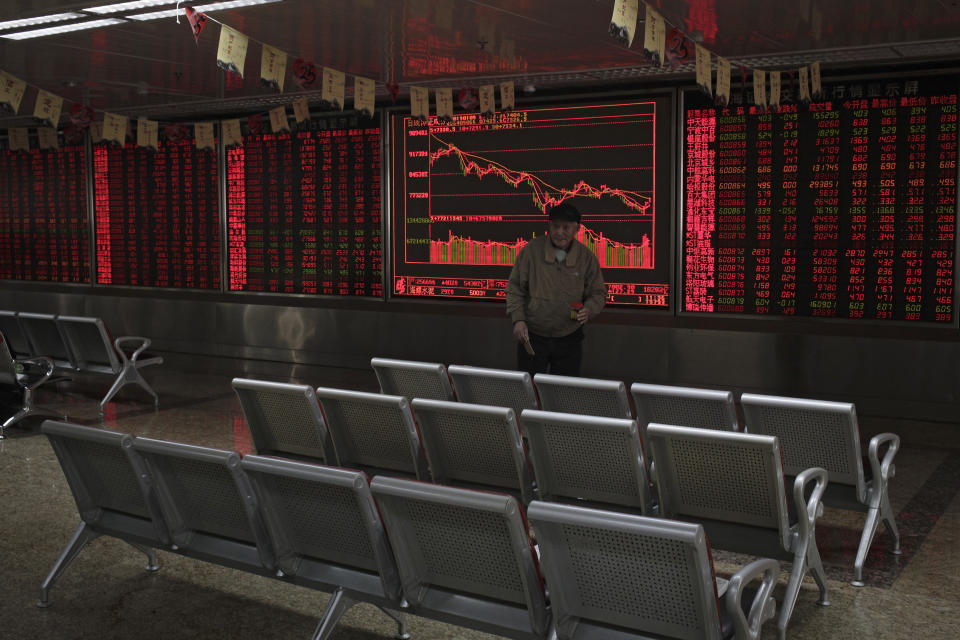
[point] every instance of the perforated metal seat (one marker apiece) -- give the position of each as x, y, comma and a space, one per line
112, 491
412, 379
327, 534
733, 484
464, 557
285, 419
374, 432
587, 458
92, 351
475, 444
22, 377
494, 387
826, 434
584, 396
46, 339
17, 340
624, 577
684, 407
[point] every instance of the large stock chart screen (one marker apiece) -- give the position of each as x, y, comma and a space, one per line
845, 208
469, 194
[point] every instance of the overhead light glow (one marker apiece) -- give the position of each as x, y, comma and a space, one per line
127, 6
64, 28
29, 22
205, 8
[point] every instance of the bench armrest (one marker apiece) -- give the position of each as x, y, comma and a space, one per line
882, 470
138, 343
809, 509
763, 607
42, 362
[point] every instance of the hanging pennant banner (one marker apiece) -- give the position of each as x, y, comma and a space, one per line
804, 85
301, 110
506, 96
176, 131
677, 47
232, 137
18, 139
774, 88
334, 88
114, 128
48, 108
704, 70
11, 90
723, 81
255, 124
816, 88
488, 103
760, 88
203, 135
278, 119
47, 137
364, 95
81, 115
420, 103
96, 132
304, 73
197, 22
623, 23
232, 51
148, 134
273, 67
444, 98
655, 36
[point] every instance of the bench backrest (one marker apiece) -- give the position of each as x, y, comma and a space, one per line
46, 339
473, 443
108, 481
373, 430
466, 554
8, 367
494, 387
16, 338
584, 396
587, 458
90, 343
614, 571
324, 526
719, 475
285, 419
684, 407
812, 433
412, 379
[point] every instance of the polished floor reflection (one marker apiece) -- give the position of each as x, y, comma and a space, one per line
106, 593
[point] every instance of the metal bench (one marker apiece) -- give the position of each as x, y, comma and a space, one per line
587, 458
584, 396
826, 434
494, 387
46, 339
733, 484
17, 340
22, 377
374, 432
412, 379
465, 557
285, 420
684, 407
474, 444
625, 577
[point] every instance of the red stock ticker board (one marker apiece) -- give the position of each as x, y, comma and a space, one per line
469, 194
843, 208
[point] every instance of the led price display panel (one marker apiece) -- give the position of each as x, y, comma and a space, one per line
304, 211
43, 216
845, 208
471, 193
156, 216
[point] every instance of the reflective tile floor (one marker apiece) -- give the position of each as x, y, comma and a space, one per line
107, 594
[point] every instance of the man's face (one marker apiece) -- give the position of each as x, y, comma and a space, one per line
562, 233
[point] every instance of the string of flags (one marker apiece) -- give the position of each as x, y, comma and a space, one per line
673, 47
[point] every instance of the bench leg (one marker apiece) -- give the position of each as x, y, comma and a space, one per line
338, 605
152, 564
805, 558
874, 516
28, 409
81, 537
401, 621
129, 374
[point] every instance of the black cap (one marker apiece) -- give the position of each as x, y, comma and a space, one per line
565, 212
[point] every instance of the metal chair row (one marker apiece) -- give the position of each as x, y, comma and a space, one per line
77, 344
455, 555
19, 378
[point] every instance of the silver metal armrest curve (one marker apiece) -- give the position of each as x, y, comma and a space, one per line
40, 361
882, 471
144, 344
763, 607
808, 510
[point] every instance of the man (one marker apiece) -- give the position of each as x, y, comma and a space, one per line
554, 289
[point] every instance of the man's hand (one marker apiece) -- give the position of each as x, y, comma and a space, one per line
520, 331
583, 315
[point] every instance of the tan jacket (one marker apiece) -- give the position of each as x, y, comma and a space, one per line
540, 290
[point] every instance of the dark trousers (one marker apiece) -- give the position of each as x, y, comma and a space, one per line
560, 356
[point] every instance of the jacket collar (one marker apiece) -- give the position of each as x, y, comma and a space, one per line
572, 253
